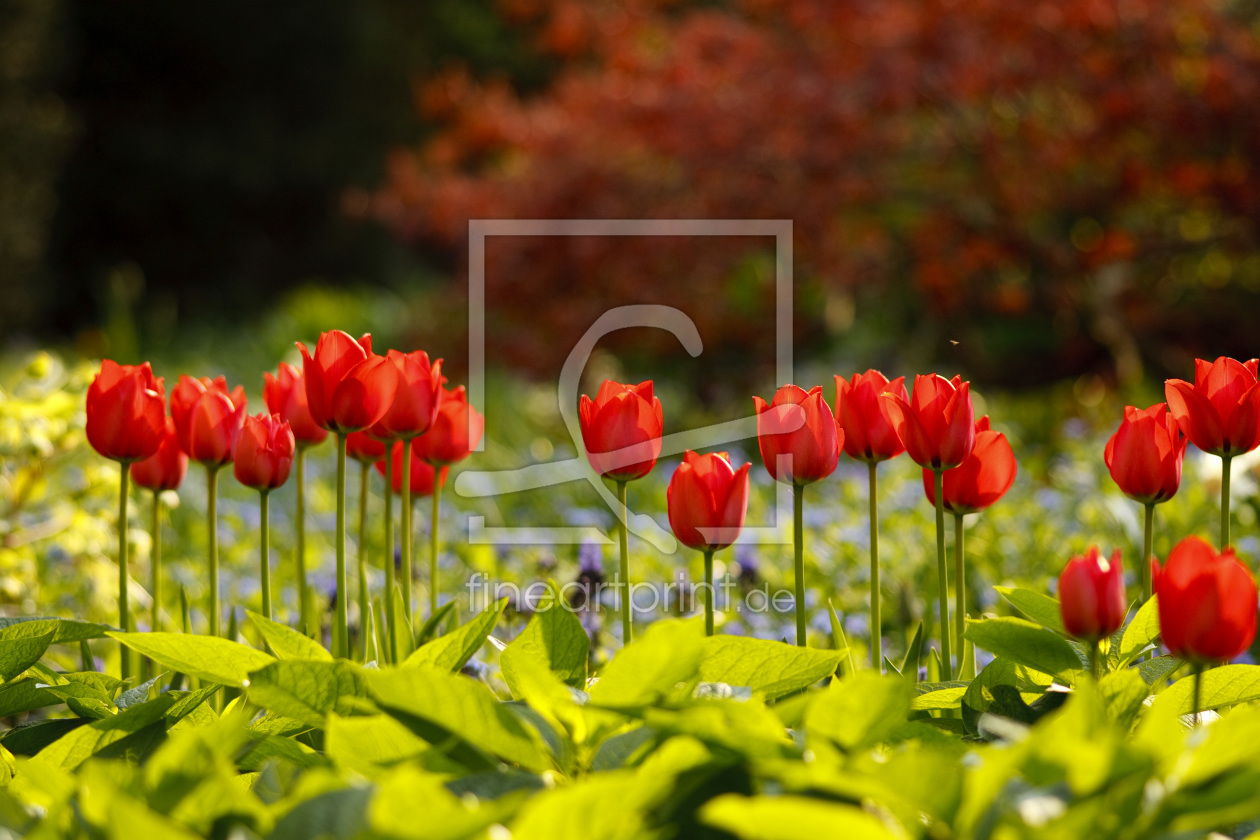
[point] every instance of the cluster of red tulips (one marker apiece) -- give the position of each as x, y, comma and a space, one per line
368, 401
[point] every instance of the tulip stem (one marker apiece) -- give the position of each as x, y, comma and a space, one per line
877, 633
212, 522
1148, 538
264, 504
1198, 691
304, 618
433, 542
340, 630
407, 571
363, 580
155, 564
942, 571
798, 548
960, 597
390, 618
124, 610
1095, 660
708, 592
1225, 470
623, 535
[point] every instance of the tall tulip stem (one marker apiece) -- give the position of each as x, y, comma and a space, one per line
212, 526
623, 534
877, 634
363, 582
1198, 691
1095, 660
341, 646
264, 502
708, 592
155, 564
942, 571
389, 558
433, 544
1148, 539
960, 596
798, 547
124, 609
304, 617
1225, 459
407, 573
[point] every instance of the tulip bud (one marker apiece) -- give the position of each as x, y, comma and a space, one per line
621, 429
979, 481
797, 435
1220, 412
348, 388
264, 452
207, 418
867, 433
285, 394
1145, 454
362, 446
1091, 596
1207, 603
450, 439
416, 398
164, 469
707, 500
126, 412
937, 424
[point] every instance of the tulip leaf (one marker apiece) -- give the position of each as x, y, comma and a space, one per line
1040, 608
859, 711
771, 668
212, 659
1124, 692
143, 726
21, 645
653, 665
306, 691
452, 651
791, 818
68, 630
287, 643
555, 635
1227, 685
1141, 632
944, 698
1026, 644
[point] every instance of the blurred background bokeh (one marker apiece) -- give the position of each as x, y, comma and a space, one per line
1019, 192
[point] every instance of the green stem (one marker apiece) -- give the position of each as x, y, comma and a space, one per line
942, 571
1198, 690
877, 634
708, 592
340, 631
1148, 537
155, 623
433, 545
124, 608
212, 522
363, 580
623, 533
1095, 660
407, 571
304, 617
389, 556
960, 595
264, 502
798, 547
1225, 459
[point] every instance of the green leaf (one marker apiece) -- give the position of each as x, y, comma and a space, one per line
443, 708
336, 814
30, 738
791, 818
556, 637
75, 747
364, 743
1227, 685
84, 700
643, 672
840, 642
429, 630
859, 711
452, 651
404, 641
1142, 631
914, 653
212, 659
22, 644
980, 694
1160, 668
287, 643
772, 668
1039, 607
447, 816
1025, 643
306, 690
68, 630
945, 698
1124, 693
135, 696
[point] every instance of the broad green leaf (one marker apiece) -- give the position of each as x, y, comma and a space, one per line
136, 696
945, 698
1124, 692
1160, 668
67, 631
772, 668
75, 747
556, 637
791, 818
980, 695
532, 681
1039, 607
287, 643
22, 644
442, 707
333, 815
365, 744
1025, 643
606, 806
1142, 631
30, 738
306, 690
616, 751
859, 711
212, 659
452, 651
1227, 685
643, 672
84, 700
276, 748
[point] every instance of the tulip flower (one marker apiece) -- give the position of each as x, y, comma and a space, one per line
1207, 605
621, 432
869, 436
1220, 413
979, 481
262, 459
1091, 600
456, 431
163, 470
799, 444
348, 389
707, 500
126, 419
937, 426
285, 394
1144, 457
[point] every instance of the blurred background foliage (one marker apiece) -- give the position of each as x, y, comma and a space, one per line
1018, 192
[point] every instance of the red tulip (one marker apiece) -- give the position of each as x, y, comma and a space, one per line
207, 418
1220, 412
621, 429
285, 395
416, 399
362, 446
126, 411
1091, 595
868, 434
937, 424
449, 438
164, 469
264, 452
799, 429
982, 479
1145, 454
348, 388
1207, 602
707, 500
421, 473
